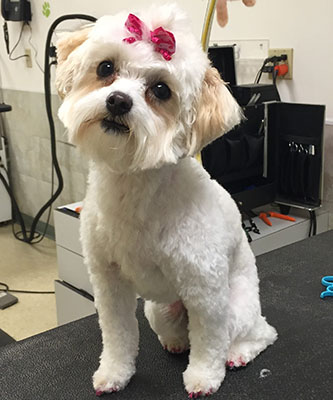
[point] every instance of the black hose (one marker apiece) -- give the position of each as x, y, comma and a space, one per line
48, 104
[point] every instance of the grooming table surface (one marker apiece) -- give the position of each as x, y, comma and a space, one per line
58, 364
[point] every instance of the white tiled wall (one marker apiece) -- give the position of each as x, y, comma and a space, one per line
28, 137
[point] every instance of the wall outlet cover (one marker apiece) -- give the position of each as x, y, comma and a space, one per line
290, 59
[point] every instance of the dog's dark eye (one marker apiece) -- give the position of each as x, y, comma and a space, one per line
161, 91
105, 68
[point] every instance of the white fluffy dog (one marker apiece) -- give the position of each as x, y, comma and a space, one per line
140, 99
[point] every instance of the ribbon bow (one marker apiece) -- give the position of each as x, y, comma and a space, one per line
164, 41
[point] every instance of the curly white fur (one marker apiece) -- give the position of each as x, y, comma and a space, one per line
153, 222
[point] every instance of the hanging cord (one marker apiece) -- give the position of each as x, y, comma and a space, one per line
31, 235
264, 68
10, 54
23, 234
313, 223
6, 36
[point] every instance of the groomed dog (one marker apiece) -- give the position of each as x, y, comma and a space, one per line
140, 98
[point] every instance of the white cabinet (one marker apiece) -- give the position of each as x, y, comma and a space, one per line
73, 289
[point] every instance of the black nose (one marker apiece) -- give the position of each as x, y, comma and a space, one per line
119, 103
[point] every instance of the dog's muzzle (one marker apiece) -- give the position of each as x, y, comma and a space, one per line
118, 104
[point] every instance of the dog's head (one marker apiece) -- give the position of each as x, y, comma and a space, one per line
139, 92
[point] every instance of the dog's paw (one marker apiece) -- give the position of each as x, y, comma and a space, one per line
202, 381
194, 395
174, 345
110, 380
100, 392
234, 362
240, 354
238, 357
174, 349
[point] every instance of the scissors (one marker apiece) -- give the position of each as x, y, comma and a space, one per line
328, 282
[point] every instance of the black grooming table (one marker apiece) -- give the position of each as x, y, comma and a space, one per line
59, 364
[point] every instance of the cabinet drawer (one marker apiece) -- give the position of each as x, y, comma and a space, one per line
71, 303
72, 269
67, 231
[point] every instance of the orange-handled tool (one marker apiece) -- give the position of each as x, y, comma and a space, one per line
263, 217
281, 216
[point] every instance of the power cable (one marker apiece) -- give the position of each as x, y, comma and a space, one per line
7, 289
313, 223
16, 44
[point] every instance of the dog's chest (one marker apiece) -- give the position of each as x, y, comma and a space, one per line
134, 247
131, 226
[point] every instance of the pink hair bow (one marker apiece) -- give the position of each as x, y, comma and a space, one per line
164, 41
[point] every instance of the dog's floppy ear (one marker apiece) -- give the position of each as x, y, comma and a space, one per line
65, 46
216, 112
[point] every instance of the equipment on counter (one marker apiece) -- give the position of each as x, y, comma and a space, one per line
264, 217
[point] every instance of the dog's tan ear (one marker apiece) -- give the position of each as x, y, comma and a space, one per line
217, 112
65, 46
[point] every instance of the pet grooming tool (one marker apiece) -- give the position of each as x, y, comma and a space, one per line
264, 217
328, 282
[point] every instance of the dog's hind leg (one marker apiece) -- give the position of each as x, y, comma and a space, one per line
249, 332
199, 274
245, 349
169, 322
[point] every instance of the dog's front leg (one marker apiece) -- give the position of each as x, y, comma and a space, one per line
209, 341
115, 300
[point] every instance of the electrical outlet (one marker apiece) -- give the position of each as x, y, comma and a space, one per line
290, 55
28, 61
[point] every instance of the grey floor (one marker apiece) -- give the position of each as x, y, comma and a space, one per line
27, 267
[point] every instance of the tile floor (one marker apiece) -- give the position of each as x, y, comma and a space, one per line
27, 267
